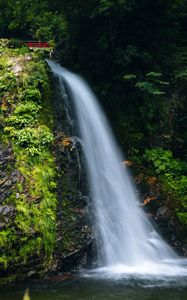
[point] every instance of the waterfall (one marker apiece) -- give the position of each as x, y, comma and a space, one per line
125, 237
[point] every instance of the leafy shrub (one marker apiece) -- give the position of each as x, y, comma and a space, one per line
172, 174
7, 81
31, 94
34, 140
24, 114
163, 161
152, 84
38, 78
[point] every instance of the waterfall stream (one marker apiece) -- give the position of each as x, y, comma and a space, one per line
127, 241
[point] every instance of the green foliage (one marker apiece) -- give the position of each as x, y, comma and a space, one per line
152, 109
38, 78
31, 94
38, 217
148, 87
34, 140
7, 80
172, 173
129, 76
163, 161
153, 84
25, 114
106, 6
183, 217
31, 19
32, 230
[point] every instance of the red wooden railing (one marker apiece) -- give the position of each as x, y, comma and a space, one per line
33, 44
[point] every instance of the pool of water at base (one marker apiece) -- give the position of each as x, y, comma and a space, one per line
92, 288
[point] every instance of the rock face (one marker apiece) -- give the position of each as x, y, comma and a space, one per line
74, 233
74, 246
161, 213
171, 229
8, 178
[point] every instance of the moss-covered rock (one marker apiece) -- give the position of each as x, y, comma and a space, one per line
28, 188
43, 216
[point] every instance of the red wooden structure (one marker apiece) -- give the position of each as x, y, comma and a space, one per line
36, 44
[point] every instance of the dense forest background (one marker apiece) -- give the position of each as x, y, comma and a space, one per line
134, 54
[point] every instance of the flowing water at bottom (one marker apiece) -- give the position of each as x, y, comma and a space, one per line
91, 287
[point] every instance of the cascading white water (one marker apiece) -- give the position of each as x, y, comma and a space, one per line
127, 241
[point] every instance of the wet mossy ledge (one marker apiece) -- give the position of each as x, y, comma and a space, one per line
28, 170
35, 161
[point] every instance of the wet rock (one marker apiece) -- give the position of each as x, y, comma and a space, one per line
7, 214
74, 232
162, 211
4, 210
7, 183
9, 176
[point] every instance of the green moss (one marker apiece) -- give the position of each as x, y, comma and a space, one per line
183, 217
25, 92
